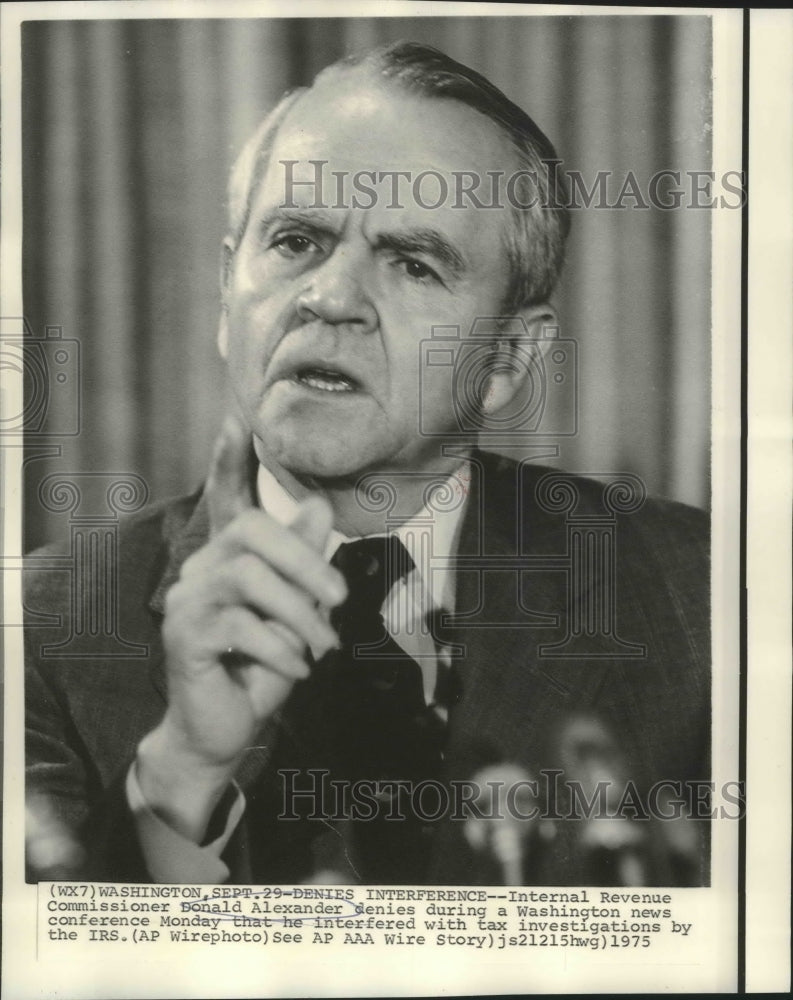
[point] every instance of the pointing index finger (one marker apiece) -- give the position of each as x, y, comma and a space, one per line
230, 474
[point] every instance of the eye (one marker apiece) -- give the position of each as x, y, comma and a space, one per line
418, 270
294, 244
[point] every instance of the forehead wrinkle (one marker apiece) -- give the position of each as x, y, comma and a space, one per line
320, 217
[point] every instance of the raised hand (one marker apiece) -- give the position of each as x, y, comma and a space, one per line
237, 627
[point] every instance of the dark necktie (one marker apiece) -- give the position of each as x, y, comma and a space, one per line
386, 731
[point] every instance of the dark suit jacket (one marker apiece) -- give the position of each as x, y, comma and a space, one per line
539, 567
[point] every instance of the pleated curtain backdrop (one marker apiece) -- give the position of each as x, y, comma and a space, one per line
129, 129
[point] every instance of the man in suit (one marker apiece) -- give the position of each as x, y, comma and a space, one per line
319, 657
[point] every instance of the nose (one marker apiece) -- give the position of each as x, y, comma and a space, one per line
336, 293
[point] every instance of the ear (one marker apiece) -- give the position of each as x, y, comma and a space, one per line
226, 279
509, 372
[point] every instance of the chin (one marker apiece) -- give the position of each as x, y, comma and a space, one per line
322, 456
327, 440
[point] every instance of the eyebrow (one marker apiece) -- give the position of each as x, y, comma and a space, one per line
423, 241
318, 217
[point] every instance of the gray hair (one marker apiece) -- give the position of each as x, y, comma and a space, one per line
535, 242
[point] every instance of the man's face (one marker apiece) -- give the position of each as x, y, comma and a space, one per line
326, 308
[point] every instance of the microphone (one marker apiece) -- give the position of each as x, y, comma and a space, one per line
51, 851
610, 843
505, 815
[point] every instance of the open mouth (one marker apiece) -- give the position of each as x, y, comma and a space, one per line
325, 380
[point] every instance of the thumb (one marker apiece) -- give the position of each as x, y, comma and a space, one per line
228, 487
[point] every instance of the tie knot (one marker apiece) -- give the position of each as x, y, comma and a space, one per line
371, 566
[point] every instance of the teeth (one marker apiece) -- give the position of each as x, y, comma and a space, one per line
338, 383
321, 383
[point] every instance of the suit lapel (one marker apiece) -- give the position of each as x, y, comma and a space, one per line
183, 538
509, 692
512, 698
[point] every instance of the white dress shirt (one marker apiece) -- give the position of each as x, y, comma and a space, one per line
430, 538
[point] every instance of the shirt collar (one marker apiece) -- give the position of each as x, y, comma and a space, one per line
430, 536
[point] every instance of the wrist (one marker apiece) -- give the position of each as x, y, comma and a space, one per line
179, 786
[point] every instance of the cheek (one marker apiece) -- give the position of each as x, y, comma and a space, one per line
251, 328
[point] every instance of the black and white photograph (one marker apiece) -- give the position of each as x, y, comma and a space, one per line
379, 472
